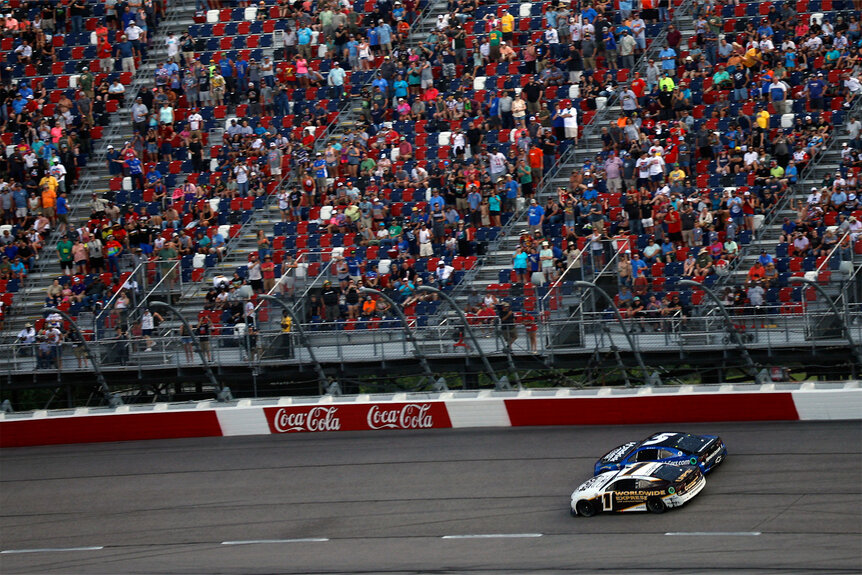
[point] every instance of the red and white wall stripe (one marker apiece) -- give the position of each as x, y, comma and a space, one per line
603, 406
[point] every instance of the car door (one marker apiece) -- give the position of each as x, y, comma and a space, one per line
619, 495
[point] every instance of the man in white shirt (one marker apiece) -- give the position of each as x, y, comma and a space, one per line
196, 122
241, 173
173, 45
750, 159
814, 197
134, 34
496, 164
656, 170
24, 52
425, 248
443, 274
852, 84
642, 165
570, 123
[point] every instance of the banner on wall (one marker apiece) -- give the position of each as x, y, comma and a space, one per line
357, 417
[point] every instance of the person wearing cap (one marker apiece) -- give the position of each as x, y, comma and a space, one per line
815, 88
335, 81
25, 340
384, 36
507, 324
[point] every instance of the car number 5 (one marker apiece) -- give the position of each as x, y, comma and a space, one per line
607, 501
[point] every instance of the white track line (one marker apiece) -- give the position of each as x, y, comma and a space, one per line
51, 550
715, 533
268, 541
494, 536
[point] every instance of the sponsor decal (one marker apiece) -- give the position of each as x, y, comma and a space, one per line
617, 453
315, 419
357, 417
408, 416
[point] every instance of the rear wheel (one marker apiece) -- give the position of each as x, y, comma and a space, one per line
656, 506
585, 508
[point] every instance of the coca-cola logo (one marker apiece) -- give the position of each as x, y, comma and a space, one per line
407, 416
315, 419
357, 417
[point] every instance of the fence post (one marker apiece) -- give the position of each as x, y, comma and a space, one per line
648, 378
407, 331
222, 393
321, 375
113, 400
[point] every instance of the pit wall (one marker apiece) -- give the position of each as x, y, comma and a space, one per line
603, 406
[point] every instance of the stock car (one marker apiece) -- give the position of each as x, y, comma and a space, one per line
673, 448
651, 486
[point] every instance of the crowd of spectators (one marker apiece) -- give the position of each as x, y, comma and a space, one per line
455, 133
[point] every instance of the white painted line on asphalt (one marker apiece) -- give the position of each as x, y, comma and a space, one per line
267, 541
494, 536
50, 550
716, 533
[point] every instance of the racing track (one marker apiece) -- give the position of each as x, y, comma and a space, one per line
384, 501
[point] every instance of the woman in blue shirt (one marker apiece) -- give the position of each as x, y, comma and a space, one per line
519, 262
494, 208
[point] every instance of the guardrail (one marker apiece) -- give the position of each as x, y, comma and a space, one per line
385, 341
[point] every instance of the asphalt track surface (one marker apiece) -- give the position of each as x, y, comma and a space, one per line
787, 500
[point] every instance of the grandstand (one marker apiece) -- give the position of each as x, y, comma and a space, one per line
500, 152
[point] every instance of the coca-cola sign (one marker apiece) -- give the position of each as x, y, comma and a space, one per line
315, 419
407, 416
357, 417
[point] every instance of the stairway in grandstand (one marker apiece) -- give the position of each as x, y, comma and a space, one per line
497, 268
30, 300
498, 262
269, 217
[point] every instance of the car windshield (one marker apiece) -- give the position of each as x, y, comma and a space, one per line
691, 443
669, 472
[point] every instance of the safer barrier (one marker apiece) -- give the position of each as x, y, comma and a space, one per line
605, 406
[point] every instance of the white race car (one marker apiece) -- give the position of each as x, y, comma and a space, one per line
645, 486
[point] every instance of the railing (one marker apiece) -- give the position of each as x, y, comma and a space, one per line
600, 332
566, 160
783, 203
330, 128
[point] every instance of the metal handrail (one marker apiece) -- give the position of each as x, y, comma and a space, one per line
784, 202
330, 128
832, 252
589, 130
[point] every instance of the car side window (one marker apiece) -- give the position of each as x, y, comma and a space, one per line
623, 485
644, 484
665, 453
647, 455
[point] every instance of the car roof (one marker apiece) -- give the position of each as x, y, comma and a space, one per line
671, 439
644, 470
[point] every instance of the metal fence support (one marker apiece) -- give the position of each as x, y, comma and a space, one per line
223, 393
857, 350
648, 378
407, 331
321, 374
467, 328
113, 400
731, 327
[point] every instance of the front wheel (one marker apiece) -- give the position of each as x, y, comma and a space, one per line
585, 508
656, 506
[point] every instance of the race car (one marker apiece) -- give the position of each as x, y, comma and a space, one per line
651, 486
673, 448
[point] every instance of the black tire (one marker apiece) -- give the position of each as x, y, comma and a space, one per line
585, 508
656, 505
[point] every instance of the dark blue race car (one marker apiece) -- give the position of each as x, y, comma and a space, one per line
704, 451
